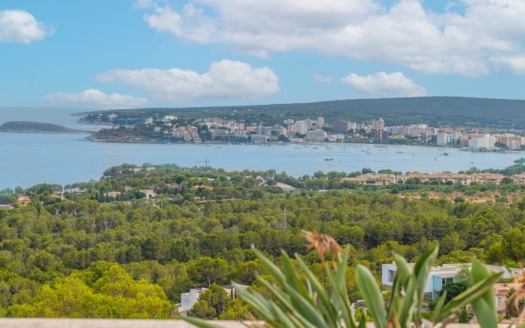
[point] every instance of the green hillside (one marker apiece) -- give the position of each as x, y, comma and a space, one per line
434, 111
26, 126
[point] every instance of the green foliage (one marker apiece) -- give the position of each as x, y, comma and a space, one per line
464, 316
236, 310
185, 238
453, 289
511, 310
215, 297
306, 303
114, 295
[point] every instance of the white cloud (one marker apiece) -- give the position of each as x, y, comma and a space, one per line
225, 79
144, 4
97, 98
462, 39
384, 85
510, 64
20, 26
319, 78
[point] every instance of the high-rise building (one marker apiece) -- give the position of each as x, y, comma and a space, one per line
316, 135
341, 126
378, 125
320, 122
300, 127
442, 139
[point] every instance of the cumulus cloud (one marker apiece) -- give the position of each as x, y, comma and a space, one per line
510, 64
461, 39
384, 85
22, 27
97, 98
319, 78
225, 79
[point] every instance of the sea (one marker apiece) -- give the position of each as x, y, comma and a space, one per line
27, 159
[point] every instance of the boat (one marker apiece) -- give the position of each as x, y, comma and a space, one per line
445, 154
328, 159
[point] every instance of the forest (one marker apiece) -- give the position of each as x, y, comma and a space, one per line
127, 245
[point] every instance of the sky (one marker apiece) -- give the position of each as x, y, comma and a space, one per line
108, 54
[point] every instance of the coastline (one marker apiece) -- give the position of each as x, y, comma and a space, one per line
45, 132
305, 145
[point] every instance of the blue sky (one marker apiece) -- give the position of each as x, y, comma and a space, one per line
166, 53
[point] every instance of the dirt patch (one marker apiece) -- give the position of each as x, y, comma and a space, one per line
481, 197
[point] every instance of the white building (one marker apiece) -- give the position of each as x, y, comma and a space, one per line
263, 130
300, 127
169, 118
442, 139
317, 135
188, 300
487, 141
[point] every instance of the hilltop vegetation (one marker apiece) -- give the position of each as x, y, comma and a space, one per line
27, 126
129, 244
434, 111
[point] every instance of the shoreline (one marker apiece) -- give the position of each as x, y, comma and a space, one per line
296, 144
45, 132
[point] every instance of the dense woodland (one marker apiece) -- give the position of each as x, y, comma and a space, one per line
498, 114
88, 254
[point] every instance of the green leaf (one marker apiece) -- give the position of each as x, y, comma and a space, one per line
342, 263
291, 276
409, 305
258, 304
272, 268
402, 271
402, 307
326, 306
372, 295
439, 307
340, 300
305, 309
421, 272
362, 322
478, 273
485, 306
484, 314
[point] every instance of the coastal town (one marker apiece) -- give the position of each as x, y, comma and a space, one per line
171, 129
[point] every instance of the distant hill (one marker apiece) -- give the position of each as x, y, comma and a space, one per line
434, 111
26, 126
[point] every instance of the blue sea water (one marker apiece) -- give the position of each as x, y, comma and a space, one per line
27, 159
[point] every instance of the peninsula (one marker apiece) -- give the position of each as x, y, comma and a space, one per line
472, 124
35, 127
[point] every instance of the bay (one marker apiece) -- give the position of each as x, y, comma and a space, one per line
27, 159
